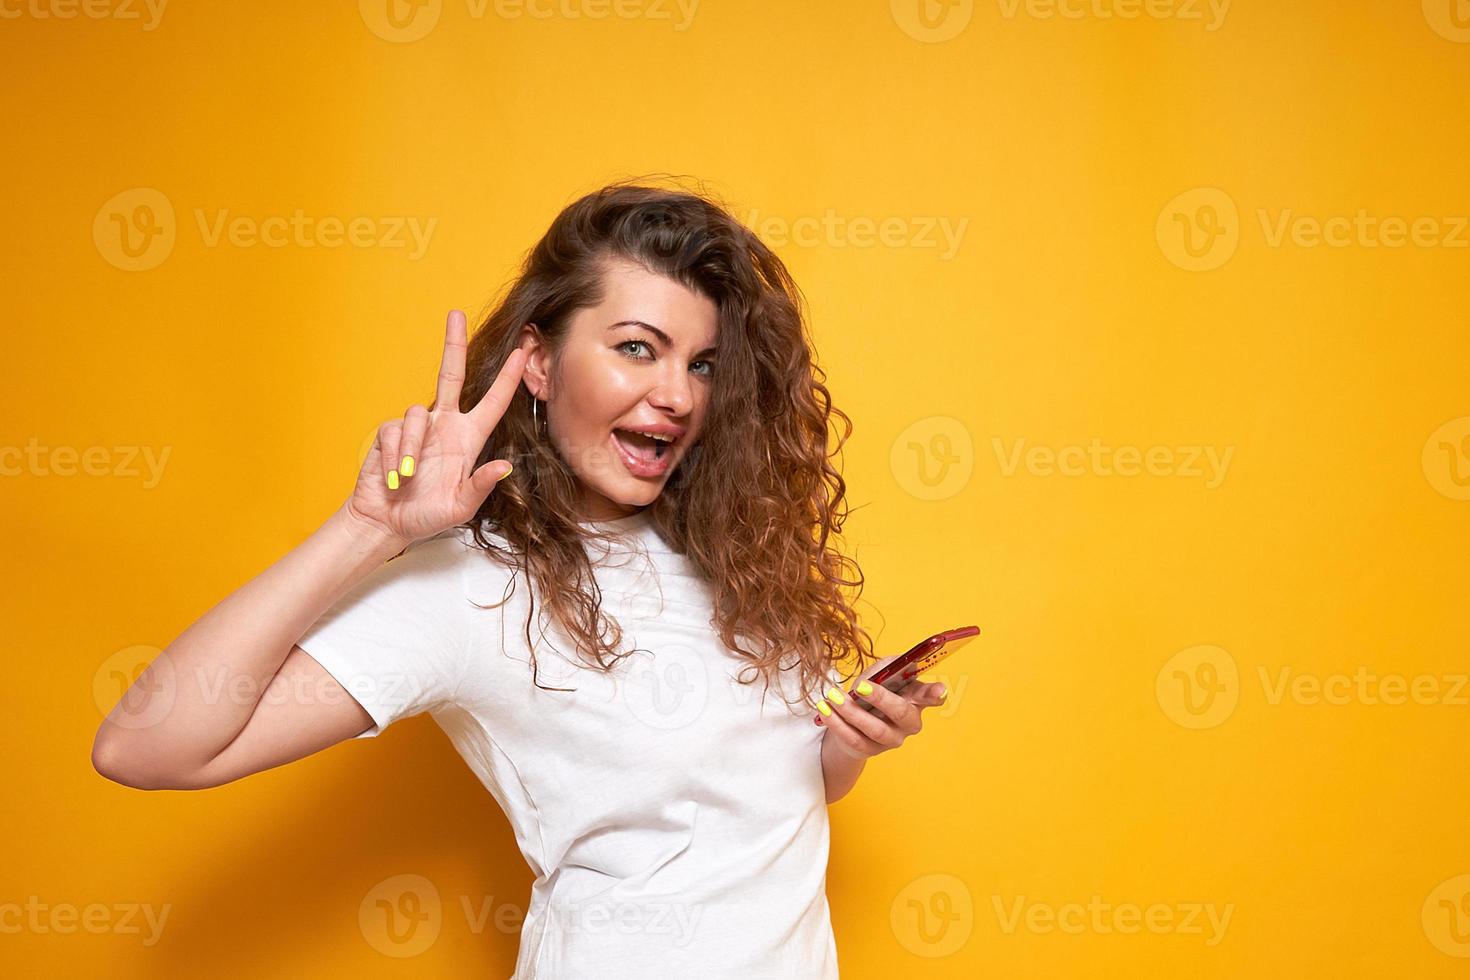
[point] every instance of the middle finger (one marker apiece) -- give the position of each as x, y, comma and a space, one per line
451, 363
893, 707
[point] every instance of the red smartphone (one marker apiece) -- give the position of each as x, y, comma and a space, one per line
900, 671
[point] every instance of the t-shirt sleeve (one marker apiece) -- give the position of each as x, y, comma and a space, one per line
398, 640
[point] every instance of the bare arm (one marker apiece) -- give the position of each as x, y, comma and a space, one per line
199, 715
852, 736
184, 722
840, 769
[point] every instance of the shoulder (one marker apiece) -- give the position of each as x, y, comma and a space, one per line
446, 550
486, 575
453, 560
452, 544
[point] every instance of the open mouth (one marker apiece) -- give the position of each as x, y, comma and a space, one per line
644, 445
644, 453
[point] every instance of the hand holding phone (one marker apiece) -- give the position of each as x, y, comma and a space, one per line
902, 670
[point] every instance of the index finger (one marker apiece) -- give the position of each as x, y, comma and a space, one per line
487, 414
451, 364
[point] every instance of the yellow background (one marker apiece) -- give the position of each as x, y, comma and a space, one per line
1072, 764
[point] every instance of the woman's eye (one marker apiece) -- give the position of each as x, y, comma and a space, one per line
630, 348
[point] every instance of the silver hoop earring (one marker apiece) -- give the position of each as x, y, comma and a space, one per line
536, 416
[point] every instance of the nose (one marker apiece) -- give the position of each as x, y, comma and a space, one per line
673, 393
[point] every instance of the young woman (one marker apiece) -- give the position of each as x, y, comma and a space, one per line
623, 633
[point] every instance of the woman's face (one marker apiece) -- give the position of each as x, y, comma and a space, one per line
626, 398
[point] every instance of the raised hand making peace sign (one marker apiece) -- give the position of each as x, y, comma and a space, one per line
419, 477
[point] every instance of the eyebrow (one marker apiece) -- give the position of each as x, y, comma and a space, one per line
664, 338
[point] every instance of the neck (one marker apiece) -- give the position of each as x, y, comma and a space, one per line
599, 508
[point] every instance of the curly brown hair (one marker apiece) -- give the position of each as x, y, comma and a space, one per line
755, 506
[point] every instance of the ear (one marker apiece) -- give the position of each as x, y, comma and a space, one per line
537, 376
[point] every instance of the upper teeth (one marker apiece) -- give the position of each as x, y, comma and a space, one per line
655, 435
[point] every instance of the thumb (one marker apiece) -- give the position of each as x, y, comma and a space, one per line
930, 695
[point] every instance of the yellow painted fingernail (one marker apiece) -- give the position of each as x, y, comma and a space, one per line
824, 708
392, 479
406, 467
505, 474
835, 696
864, 688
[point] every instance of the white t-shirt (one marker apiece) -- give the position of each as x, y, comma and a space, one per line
675, 819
